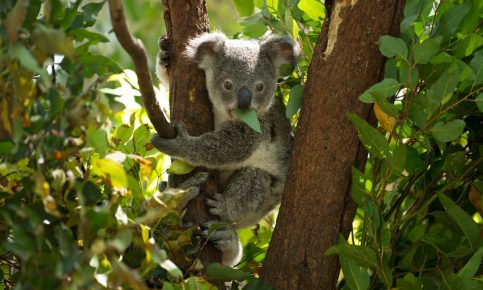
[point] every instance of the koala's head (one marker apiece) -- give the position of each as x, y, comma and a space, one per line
241, 74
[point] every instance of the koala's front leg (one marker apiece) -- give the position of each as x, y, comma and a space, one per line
246, 198
229, 145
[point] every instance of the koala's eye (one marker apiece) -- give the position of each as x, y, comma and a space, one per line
259, 87
228, 85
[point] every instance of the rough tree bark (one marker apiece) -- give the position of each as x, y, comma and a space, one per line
189, 100
316, 206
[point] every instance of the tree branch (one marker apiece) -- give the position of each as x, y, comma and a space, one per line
135, 48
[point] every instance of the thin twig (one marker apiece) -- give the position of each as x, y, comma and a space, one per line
135, 48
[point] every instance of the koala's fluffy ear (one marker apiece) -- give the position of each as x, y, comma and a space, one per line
281, 50
204, 48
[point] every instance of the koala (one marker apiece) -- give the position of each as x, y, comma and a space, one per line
240, 75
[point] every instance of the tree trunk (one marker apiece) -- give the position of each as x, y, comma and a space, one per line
189, 100
316, 204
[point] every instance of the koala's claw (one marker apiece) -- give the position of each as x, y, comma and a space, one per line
216, 204
196, 180
222, 237
164, 51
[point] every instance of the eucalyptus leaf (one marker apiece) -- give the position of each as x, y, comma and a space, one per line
179, 167
294, 101
423, 52
470, 229
374, 142
250, 118
363, 255
313, 9
384, 89
218, 272
393, 47
448, 131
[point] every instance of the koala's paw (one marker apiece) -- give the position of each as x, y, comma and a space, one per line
164, 51
221, 235
196, 180
180, 130
217, 206
167, 146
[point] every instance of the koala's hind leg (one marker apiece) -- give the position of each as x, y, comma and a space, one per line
246, 198
162, 61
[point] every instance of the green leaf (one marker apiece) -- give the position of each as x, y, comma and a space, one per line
97, 138
363, 255
479, 101
473, 265
250, 118
90, 12
477, 65
124, 132
110, 169
255, 30
216, 271
468, 45
393, 47
82, 34
5, 147
462, 219
423, 52
244, 7
294, 101
448, 131
355, 276
384, 89
313, 9
179, 167
445, 85
26, 59
451, 20
374, 142
397, 161
98, 64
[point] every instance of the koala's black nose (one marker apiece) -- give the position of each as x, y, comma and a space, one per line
244, 98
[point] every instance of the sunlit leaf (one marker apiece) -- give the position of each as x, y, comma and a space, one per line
313, 9
112, 170
179, 167
244, 7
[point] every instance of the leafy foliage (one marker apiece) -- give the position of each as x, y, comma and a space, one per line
418, 223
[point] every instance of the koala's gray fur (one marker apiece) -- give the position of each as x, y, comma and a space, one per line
240, 74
